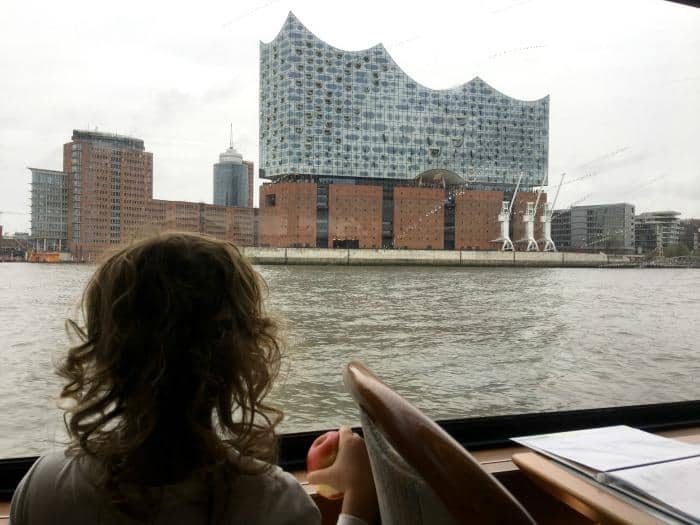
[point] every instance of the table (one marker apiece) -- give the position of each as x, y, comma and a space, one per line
593, 500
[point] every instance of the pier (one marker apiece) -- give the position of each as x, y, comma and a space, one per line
365, 257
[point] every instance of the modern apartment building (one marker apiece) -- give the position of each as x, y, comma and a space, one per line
48, 210
330, 117
600, 228
657, 230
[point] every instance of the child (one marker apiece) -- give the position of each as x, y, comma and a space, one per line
166, 406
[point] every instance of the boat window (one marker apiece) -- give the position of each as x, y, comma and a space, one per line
537, 250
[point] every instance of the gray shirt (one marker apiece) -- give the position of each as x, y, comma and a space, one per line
57, 489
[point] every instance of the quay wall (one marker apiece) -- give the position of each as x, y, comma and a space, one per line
373, 257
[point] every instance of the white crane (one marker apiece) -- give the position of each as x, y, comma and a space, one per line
504, 220
529, 219
546, 219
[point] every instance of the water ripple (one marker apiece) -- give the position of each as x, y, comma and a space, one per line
455, 341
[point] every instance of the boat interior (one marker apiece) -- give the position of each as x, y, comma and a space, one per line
465, 470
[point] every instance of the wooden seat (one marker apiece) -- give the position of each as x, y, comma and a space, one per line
423, 476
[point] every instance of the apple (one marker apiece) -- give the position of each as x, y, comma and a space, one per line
322, 454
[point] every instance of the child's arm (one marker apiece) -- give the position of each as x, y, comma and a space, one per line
351, 474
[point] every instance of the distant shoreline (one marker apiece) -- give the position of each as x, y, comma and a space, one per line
451, 258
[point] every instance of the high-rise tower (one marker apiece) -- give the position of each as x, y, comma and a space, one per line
109, 185
233, 179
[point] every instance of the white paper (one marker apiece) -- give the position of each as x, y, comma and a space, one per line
610, 448
675, 484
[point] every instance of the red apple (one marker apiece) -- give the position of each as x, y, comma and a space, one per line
322, 454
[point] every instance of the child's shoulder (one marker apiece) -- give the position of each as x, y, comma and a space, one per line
278, 492
268, 478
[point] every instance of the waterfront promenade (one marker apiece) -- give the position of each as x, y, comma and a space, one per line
365, 257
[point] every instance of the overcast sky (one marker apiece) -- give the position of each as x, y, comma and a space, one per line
623, 76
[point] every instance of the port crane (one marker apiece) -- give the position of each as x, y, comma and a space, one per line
504, 220
546, 219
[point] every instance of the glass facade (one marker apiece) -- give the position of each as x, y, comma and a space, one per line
49, 205
233, 180
603, 227
231, 184
329, 112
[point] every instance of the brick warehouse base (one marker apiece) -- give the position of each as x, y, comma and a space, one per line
405, 215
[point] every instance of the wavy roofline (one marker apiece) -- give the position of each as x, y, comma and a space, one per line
294, 19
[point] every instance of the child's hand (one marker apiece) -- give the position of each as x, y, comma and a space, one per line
351, 474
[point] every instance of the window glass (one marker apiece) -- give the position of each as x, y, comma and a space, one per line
418, 184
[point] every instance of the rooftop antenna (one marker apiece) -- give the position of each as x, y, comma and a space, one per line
230, 142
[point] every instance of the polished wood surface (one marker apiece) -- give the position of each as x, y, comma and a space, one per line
4, 513
586, 496
469, 493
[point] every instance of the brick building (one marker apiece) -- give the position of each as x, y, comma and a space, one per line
419, 218
108, 181
223, 222
288, 215
475, 227
354, 216
307, 214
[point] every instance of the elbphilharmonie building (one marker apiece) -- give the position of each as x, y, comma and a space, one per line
331, 114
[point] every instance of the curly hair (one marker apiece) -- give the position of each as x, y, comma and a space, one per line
175, 360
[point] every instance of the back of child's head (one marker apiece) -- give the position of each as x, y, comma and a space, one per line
176, 357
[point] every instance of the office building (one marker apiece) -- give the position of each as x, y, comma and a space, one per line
561, 229
603, 228
231, 223
104, 197
233, 180
110, 181
49, 206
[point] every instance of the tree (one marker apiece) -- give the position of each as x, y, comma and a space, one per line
676, 250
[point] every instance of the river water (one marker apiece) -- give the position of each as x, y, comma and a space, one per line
457, 342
